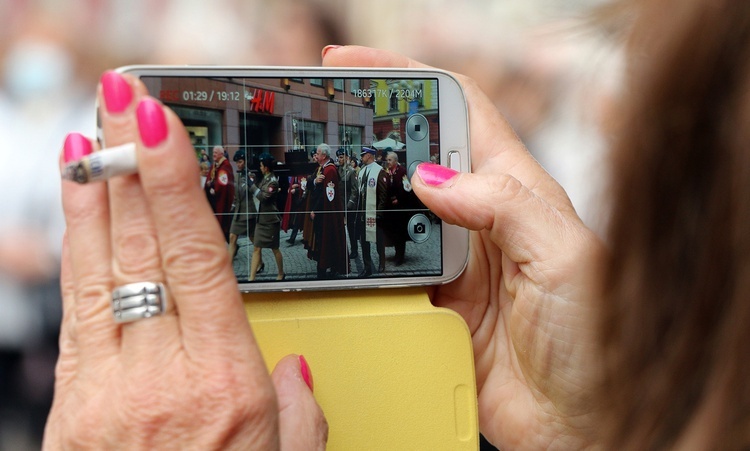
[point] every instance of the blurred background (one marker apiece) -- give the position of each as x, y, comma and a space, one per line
547, 68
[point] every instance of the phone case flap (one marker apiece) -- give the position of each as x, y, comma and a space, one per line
391, 371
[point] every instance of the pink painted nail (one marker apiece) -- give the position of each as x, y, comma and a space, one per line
76, 147
434, 174
305, 370
152, 123
117, 92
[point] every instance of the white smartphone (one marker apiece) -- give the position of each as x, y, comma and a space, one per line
308, 170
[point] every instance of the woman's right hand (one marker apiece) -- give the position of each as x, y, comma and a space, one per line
192, 377
527, 293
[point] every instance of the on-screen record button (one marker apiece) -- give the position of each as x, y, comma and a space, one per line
454, 160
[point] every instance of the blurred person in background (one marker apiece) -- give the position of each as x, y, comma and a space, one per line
49, 65
42, 97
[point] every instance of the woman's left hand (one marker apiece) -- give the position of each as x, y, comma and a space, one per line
193, 377
528, 292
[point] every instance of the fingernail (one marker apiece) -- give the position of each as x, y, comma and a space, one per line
117, 92
435, 174
152, 123
327, 48
305, 370
76, 147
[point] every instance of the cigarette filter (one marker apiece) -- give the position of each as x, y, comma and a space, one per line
103, 165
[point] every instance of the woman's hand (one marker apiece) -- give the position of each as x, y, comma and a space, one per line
192, 378
526, 294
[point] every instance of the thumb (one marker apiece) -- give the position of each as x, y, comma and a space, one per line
522, 224
302, 424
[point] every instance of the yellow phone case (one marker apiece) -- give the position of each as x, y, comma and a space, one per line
391, 371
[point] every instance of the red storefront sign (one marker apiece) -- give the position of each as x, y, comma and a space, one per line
261, 101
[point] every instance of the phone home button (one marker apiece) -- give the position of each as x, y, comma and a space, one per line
454, 160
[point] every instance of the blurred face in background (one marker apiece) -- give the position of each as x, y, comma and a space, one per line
320, 157
218, 154
392, 162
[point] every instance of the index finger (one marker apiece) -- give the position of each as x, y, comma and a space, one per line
194, 255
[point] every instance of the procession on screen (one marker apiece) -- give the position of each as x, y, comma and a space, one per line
311, 178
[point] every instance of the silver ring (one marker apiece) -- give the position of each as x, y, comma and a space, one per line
138, 300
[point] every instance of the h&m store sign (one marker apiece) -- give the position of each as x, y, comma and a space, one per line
260, 101
254, 100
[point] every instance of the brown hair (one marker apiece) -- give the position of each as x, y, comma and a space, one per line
675, 328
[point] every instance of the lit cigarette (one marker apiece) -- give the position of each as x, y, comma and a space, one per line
103, 165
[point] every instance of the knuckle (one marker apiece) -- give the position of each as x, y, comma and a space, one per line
229, 401
230, 386
146, 423
507, 186
91, 299
148, 410
80, 212
192, 251
257, 408
136, 252
504, 190
173, 191
84, 429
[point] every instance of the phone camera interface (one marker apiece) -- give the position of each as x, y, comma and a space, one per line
310, 178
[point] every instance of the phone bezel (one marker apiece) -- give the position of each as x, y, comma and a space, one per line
454, 147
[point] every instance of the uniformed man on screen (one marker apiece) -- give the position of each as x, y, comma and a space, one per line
400, 201
369, 204
327, 213
245, 213
219, 188
348, 187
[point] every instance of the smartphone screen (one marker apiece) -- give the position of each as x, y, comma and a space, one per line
310, 178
